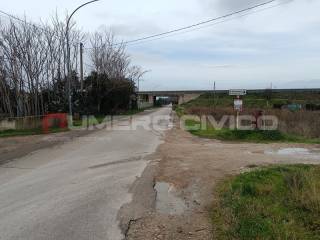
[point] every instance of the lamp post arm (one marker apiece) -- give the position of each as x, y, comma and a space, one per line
68, 54
81, 6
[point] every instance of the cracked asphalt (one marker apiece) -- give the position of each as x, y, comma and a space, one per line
75, 190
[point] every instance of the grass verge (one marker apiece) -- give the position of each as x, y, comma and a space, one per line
101, 118
271, 203
26, 132
179, 110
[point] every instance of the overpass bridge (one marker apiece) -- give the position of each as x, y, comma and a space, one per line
178, 97
148, 98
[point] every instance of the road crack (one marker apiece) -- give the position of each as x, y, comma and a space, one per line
131, 221
135, 159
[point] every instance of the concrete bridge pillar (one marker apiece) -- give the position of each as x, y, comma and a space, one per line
152, 99
181, 99
184, 98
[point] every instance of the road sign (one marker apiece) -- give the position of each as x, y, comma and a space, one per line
238, 104
237, 92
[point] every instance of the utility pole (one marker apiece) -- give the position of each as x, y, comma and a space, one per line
69, 71
81, 66
214, 95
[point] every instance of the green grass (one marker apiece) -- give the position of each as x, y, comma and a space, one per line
26, 132
271, 203
179, 110
257, 136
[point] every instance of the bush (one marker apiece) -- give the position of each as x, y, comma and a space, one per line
105, 95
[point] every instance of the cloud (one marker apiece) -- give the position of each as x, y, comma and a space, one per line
236, 5
135, 29
279, 44
312, 83
223, 66
224, 6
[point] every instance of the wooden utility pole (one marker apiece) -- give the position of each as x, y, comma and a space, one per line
81, 66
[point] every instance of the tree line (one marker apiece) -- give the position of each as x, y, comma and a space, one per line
34, 73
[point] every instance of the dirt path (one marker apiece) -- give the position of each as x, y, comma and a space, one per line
185, 171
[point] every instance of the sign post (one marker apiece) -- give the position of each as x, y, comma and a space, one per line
238, 102
238, 105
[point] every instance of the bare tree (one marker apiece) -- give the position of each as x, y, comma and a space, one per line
109, 57
33, 64
34, 60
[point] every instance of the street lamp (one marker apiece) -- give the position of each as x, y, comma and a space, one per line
68, 54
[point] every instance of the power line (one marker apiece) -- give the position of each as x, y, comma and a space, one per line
32, 24
177, 31
21, 20
196, 24
207, 26
11, 16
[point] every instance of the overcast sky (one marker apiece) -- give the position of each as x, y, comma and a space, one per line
279, 45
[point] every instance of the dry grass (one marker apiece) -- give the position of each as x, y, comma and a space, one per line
303, 123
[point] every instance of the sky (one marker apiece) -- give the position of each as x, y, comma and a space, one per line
276, 45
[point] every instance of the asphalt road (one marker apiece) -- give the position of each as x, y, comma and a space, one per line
75, 191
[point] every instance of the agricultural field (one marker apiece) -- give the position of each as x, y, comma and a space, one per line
264, 100
297, 122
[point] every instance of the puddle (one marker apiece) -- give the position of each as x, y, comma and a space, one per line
296, 152
167, 201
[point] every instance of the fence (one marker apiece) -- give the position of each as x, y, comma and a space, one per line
34, 122
20, 123
144, 105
